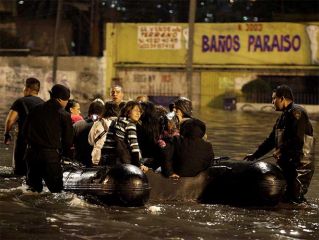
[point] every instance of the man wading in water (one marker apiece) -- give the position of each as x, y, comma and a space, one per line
292, 138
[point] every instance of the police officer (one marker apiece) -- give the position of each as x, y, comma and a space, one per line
18, 113
292, 138
49, 135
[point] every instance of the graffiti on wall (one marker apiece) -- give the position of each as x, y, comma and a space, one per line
84, 84
137, 82
164, 84
313, 34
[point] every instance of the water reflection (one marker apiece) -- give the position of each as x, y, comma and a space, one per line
68, 216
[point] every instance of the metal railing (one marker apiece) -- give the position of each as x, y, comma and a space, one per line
299, 97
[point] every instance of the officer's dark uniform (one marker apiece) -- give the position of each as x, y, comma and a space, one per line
49, 134
293, 135
22, 106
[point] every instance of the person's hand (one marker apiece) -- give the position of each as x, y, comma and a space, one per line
144, 168
250, 157
174, 176
7, 138
277, 154
66, 160
161, 143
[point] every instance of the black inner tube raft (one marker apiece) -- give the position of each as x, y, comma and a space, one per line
225, 182
124, 185
244, 183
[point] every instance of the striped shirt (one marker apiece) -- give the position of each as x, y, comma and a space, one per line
124, 130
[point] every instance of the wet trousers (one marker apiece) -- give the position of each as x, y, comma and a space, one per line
298, 177
44, 164
20, 166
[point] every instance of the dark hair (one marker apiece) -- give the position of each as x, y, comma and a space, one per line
127, 108
193, 128
59, 91
171, 106
284, 91
71, 103
111, 109
96, 107
160, 110
150, 122
33, 84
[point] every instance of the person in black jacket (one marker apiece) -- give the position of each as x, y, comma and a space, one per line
292, 138
49, 134
18, 113
192, 154
82, 148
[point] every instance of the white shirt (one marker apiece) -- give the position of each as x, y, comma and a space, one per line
97, 128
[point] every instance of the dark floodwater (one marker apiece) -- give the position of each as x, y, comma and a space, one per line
67, 216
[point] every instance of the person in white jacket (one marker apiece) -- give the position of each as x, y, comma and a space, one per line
99, 130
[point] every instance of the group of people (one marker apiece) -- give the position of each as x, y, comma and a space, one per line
143, 134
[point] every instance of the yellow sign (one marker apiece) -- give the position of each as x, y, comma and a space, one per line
252, 43
225, 43
159, 37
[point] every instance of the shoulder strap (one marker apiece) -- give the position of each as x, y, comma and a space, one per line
102, 133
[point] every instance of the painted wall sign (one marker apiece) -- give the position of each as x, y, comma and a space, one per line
217, 43
253, 43
159, 37
262, 43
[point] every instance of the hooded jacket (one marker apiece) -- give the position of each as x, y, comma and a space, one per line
192, 154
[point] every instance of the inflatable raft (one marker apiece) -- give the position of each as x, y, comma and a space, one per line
123, 185
225, 182
244, 183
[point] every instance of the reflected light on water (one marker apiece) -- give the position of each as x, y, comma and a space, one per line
295, 233
68, 216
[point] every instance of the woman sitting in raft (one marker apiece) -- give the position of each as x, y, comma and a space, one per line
100, 128
148, 134
192, 154
185, 154
188, 154
121, 145
183, 108
169, 131
73, 107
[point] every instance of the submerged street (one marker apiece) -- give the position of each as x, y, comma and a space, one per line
233, 134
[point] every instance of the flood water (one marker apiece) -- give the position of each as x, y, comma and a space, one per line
233, 134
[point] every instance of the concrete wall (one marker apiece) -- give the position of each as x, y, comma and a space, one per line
83, 75
226, 55
158, 82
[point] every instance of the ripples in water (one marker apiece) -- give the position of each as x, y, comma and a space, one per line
69, 216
